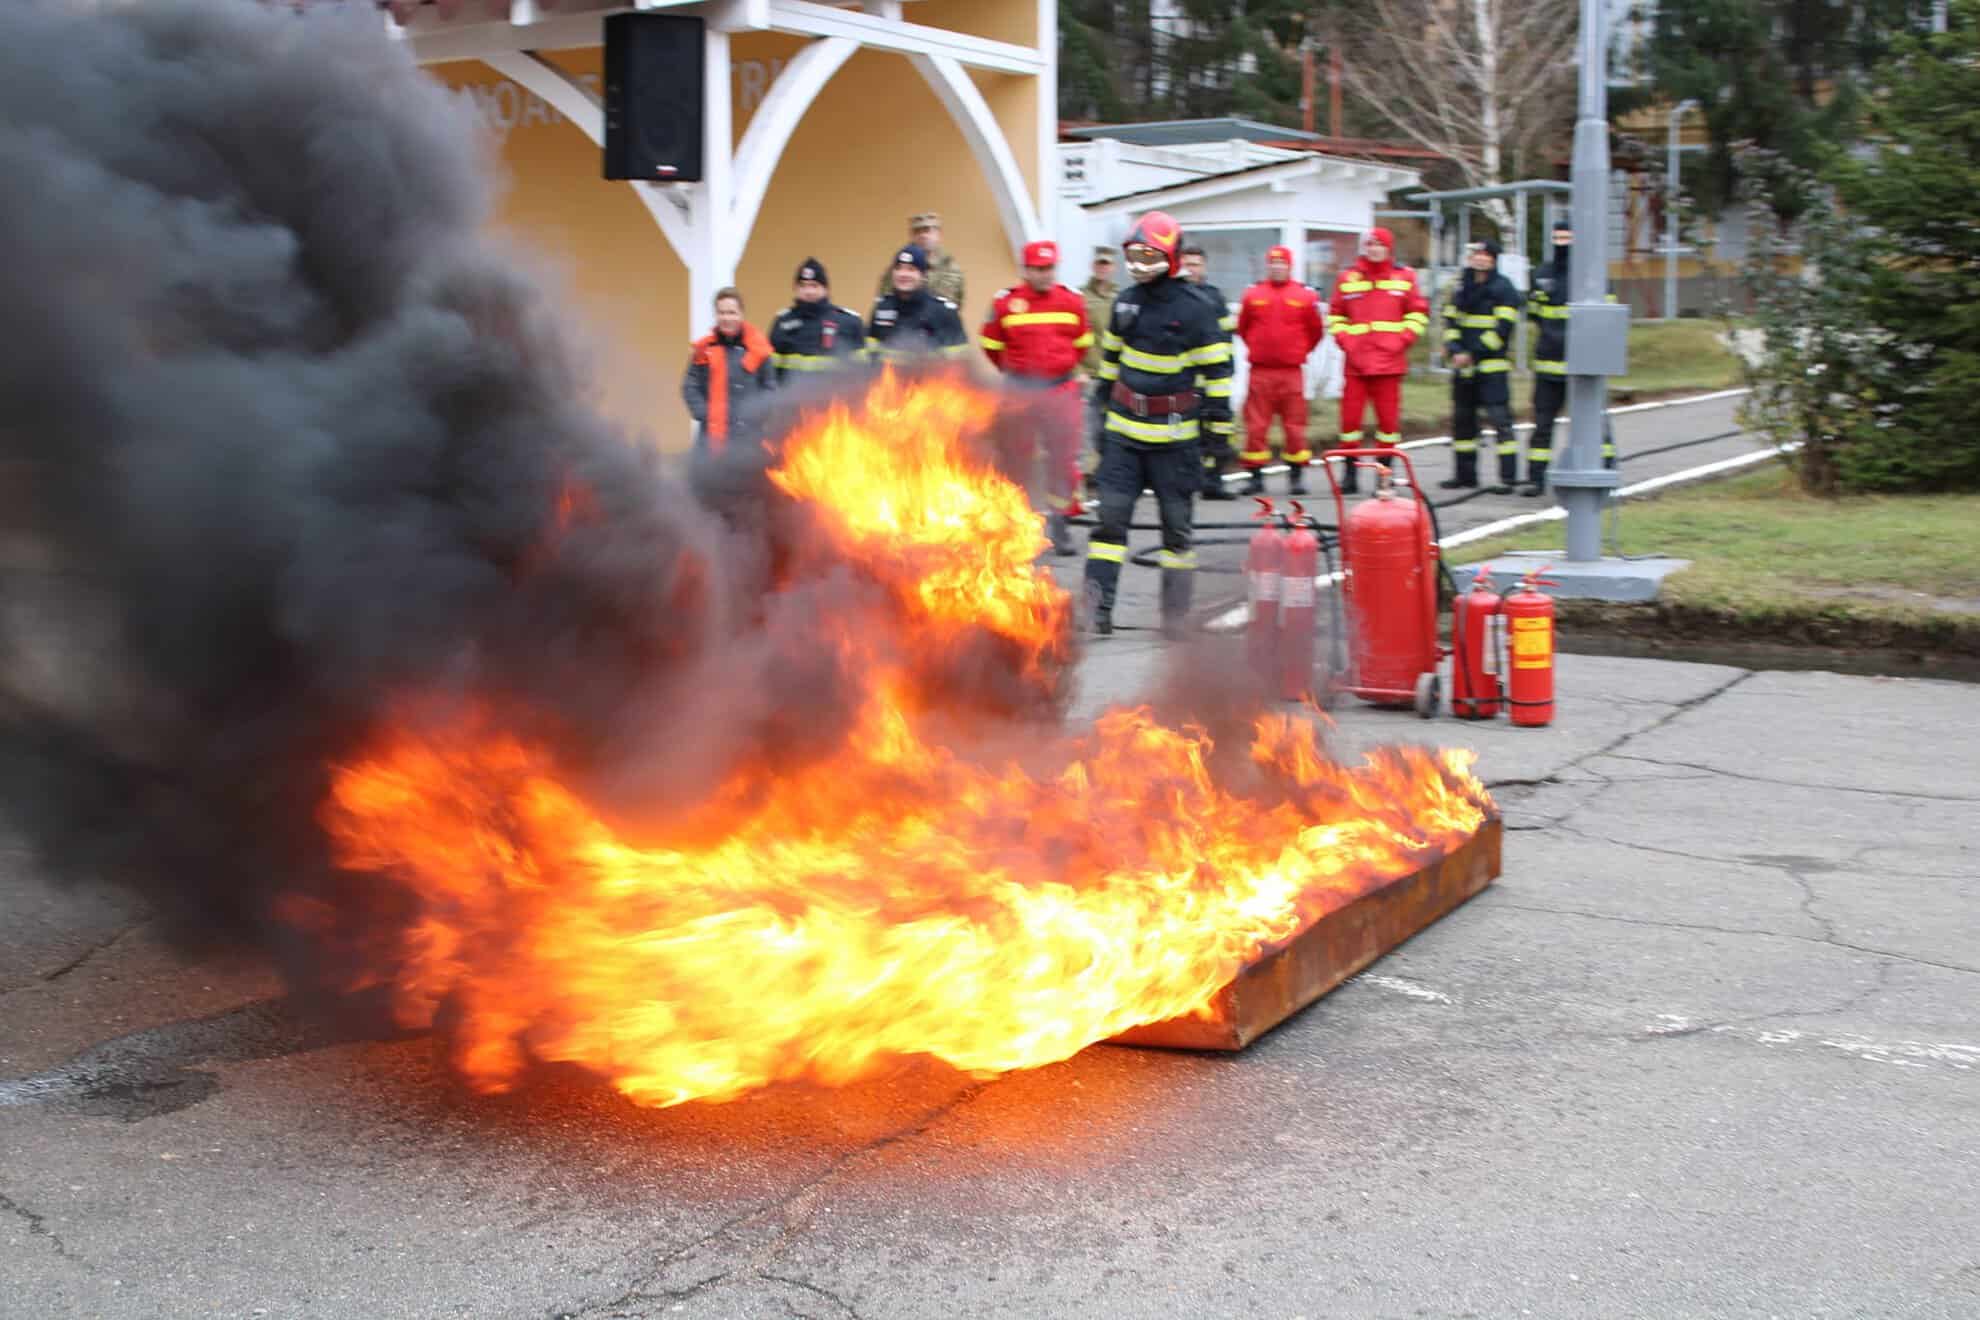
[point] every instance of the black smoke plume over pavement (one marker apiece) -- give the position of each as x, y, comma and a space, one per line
286, 439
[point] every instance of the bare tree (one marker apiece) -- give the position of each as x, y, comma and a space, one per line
1486, 83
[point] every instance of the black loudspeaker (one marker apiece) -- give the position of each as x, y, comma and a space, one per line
653, 84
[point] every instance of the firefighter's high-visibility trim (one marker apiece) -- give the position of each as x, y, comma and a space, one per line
1041, 318
872, 344
1509, 445
955, 350
1106, 551
1417, 321
1299, 456
1397, 286
1550, 311
1491, 366
1475, 321
1220, 388
1254, 455
808, 361
1491, 340
1348, 440
1160, 364
1452, 334
1084, 341
1227, 322
1110, 370
1204, 355
1551, 368
1539, 455
1153, 433
1182, 560
1221, 428
1388, 437
1355, 286
995, 345
1507, 313
1111, 342
1465, 446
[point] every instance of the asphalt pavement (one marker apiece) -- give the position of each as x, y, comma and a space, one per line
1710, 1046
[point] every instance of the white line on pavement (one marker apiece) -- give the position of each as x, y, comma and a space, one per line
1234, 617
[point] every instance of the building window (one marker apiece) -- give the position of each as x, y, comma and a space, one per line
1235, 258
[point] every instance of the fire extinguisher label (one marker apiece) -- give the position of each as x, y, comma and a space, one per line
1532, 643
1299, 592
1495, 641
1264, 588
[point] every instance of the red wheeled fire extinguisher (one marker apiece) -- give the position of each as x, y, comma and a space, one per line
1264, 567
1389, 577
1529, 615
1477, 652
1300, 564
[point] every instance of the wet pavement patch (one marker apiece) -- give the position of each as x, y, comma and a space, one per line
154, 1072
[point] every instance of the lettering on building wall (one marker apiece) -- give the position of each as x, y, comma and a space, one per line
505, 106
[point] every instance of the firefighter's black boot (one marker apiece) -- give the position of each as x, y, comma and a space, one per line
1255, 483
1097, 598
1465, 475
1350, 476
1296, 483
1178, 584
1536, 478
1508, 461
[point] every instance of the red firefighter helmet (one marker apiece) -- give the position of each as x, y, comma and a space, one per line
1161, 231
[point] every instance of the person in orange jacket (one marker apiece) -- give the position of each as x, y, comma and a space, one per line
1279, 322
1036, 334
730, 372
1375, 315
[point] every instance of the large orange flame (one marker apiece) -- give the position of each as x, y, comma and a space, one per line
899, 897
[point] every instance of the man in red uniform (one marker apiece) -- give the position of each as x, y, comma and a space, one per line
1376, 313
1279, 321
1036, 334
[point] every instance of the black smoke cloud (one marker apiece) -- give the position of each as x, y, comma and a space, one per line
285, 438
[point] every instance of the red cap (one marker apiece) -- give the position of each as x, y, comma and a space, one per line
1380, 235
1041, 254
1279, 254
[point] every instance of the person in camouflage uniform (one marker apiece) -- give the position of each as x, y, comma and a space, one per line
945, 275
1100, 292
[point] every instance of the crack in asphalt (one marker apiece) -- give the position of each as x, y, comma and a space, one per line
799, 1198
810, 1287
37, 1226
1798, 783
89, 952
1735, 930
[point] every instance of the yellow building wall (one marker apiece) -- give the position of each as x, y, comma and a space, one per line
876, 147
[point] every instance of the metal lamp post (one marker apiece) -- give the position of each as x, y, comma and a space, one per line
1671, 210
1598, 330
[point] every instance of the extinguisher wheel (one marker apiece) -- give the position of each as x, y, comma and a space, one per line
1429, 692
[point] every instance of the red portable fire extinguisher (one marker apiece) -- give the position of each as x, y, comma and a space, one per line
1264, 567
1300, 562
1478, 628
1529, 615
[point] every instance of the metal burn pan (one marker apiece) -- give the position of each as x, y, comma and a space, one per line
1285, 978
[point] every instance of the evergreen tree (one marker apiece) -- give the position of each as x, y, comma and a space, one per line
1783, 76
1873, 360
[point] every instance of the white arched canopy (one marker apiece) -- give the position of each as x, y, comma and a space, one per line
708, 223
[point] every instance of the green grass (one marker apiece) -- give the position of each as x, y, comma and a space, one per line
1765, 553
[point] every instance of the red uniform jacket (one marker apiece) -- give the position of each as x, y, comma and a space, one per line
1279, 323
1041, 335
1375, 315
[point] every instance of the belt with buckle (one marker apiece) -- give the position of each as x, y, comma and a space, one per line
1154, 405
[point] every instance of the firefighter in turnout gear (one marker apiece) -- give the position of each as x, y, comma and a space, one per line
1548, 306
1375, 315
911, 322
1279, 321
1036, 334
1218, 448
1166, 370
1480, 320
814, 334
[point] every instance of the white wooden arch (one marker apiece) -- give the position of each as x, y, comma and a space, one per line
708, 224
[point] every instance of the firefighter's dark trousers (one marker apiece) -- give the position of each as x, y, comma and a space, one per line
1475, 390
1127, 467
1549, 398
